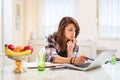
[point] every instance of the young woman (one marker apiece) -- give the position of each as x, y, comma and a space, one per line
61, 46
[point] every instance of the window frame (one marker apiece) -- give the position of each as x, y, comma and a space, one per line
98, 24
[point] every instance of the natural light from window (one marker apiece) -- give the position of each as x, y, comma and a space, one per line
51, 12
109, 18
0, 26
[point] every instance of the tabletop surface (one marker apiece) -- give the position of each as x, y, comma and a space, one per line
106, 72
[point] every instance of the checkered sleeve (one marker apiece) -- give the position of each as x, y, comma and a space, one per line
75, 51
50, 49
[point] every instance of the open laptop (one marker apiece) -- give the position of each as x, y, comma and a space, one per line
101, 59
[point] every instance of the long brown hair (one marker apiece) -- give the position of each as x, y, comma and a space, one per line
60, 35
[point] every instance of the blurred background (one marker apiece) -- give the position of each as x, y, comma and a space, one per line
24, 22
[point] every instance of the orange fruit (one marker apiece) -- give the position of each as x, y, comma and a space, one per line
20, 48
16, 50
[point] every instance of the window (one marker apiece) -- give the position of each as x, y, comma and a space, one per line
51, 12
109, 18
5, 23
0, 26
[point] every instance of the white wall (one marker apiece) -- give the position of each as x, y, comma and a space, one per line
87, 19
19, 30
31, 18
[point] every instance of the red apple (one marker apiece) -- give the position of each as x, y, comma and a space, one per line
28, 47
10, 46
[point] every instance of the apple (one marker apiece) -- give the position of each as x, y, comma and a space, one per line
10, 46
28, 47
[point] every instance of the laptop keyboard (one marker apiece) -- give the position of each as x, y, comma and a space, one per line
83, 65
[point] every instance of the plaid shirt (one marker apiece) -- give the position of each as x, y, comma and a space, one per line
53, 49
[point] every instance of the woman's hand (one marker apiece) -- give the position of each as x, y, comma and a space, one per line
70, 47
80, 59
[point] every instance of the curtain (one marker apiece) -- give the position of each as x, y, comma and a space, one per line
5, 23
0, 26
51, 12
109, 18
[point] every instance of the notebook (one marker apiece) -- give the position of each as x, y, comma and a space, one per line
101, 59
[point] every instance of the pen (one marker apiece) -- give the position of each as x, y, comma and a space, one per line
90, 59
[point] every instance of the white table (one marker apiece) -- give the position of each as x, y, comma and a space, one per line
106, 72
113, 70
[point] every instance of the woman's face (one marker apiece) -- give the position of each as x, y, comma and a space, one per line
70, 31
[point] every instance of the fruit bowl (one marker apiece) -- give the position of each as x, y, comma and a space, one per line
18, 57
18, 62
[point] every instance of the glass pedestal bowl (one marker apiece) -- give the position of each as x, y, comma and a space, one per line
18, 62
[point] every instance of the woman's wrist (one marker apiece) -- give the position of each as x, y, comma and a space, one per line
72, 60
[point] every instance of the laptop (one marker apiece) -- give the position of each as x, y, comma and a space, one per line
101, 59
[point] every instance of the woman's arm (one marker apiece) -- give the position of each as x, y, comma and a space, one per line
73, 60
59, 59
52, 56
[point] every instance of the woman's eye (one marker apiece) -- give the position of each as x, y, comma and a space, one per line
70, 29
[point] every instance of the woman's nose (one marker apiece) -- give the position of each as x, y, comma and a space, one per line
73, 33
